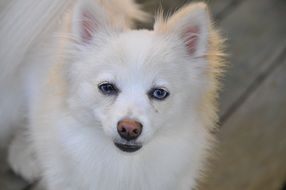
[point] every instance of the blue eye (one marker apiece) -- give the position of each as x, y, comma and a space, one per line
107, 88
158, 93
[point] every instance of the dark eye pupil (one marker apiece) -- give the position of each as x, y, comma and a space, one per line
108, 89
159, 94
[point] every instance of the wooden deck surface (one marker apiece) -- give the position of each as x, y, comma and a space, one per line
252, 149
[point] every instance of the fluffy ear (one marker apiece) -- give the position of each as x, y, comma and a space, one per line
191, 24
88, 18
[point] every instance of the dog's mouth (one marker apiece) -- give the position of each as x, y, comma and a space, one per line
128, 147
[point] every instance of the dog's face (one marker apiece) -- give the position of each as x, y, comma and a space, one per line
135, 84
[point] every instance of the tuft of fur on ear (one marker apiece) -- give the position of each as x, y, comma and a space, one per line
88, 18
191, 24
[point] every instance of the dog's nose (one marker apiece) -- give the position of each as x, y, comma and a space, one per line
129, 129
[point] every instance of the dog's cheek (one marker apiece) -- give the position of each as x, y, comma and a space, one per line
159, 114
102, 115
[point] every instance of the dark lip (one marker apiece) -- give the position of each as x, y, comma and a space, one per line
128, 147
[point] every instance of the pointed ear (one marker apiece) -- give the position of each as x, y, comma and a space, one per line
191, 24
88, 18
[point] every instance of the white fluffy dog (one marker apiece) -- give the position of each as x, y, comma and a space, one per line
110, 108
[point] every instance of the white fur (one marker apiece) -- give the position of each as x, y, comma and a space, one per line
72, 125
22, 158
24, 24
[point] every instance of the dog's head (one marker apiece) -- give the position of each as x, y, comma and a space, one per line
135, 84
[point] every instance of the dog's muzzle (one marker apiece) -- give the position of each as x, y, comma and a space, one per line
129, 130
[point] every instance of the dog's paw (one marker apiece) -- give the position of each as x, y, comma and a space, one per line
22, 158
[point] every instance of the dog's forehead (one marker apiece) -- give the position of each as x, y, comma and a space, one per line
137, 47
138, 56
136, 39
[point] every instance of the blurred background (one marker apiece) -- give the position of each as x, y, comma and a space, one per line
251, 153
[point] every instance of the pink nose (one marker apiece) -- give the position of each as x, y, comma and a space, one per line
129, 129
